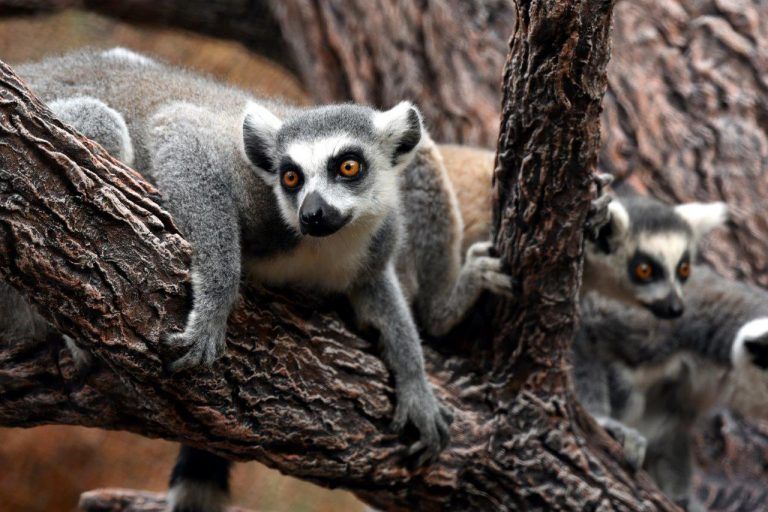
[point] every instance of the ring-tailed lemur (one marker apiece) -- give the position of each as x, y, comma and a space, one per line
637, 254
637, 373
649, 380
644, 254
338, 198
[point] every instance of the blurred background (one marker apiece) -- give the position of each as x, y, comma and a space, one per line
46, 468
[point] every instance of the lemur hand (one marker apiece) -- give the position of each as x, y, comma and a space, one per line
487, 268
203, 338
632, 442
750, 347
599, 215
417, 403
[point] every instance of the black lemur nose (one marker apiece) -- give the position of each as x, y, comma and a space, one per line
312, 209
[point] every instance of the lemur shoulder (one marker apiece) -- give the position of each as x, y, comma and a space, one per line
339, 198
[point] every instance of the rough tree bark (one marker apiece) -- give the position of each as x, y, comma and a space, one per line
85, 240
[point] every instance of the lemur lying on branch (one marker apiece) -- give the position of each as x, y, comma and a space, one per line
334, 199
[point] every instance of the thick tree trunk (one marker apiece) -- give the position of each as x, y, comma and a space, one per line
297, 390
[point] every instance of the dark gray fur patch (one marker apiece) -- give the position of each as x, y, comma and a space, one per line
411, 137
383, 244
649, 215
257, 148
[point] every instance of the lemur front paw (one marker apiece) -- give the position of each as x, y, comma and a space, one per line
203, 339
488, 268
417, 403
599, 215
632, 442
751, 345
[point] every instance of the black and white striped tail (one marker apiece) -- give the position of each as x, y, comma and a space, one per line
199, 482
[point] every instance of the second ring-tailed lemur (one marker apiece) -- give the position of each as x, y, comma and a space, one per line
649, 380
648, 373
339, 198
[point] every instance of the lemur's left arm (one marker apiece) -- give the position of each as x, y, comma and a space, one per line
187, 166
379, 303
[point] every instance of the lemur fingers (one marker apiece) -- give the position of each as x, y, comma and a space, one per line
480, 249
491, 275
489, 268
498, 283
419, 406
598, 216
632, 442
204, 341
602, 180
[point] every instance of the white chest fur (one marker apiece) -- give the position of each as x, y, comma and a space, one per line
328, 264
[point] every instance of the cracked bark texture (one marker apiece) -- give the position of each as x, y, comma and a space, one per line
297, 390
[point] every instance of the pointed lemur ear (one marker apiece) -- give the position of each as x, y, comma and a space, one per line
615, 230
703, 217
400, 128
260, 128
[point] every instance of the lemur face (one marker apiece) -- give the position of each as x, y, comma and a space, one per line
333, 166
644, 255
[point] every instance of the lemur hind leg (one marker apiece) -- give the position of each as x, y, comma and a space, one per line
444, 289
199, 482
481, 271
97, 121
670, 464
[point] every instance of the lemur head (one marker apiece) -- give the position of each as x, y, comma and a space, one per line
644, 254
332, 166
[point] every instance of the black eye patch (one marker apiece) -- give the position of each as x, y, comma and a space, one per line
638, 260
287, 164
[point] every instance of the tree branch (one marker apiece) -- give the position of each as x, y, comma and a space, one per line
297, 390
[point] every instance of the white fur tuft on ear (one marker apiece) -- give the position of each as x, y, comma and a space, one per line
619, 219
258, 117
260, 127
401, 128
703, 217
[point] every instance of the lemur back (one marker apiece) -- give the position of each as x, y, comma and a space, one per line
334, 199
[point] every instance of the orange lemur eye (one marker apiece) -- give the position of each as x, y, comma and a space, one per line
643, 271
291, 179
349, 168
684, 270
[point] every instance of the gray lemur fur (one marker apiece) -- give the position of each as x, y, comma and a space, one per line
216, 153
649, 380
